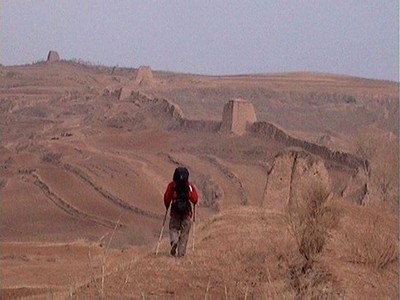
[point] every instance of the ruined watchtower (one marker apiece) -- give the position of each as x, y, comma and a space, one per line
144, 76
53, 56
238, 114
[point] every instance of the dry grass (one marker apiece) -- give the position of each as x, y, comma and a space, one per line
99, 280
245, 253
230, 262
372, 241
362, 252
371, 245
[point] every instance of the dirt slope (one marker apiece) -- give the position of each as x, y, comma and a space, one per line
244, 252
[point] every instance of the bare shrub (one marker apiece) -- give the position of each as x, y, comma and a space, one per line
99, 279
381, 151
366, 146
306, 279
52, 157
385, 178
371, 246
310, 218
385, 173
39, 62
13, 74
312, 281
211, 192
3, 183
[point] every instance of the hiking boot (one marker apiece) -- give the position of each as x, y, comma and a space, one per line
173, 249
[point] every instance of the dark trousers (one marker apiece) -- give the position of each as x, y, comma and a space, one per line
179, 228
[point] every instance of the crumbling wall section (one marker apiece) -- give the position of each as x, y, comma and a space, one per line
293, 170
269, 130
199, 125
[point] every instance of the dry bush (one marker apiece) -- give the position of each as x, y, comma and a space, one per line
13, 74
381, 150
305, 279
384, 186
52, 157
3, 183
312, 282
99, 279
385, 174
211, 192
371, 246
366, 146
310, 218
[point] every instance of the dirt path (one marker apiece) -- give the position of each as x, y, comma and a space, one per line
232, 187
231, 176
70, 209
107, 195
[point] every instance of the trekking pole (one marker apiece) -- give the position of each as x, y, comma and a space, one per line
162, 230
194, 224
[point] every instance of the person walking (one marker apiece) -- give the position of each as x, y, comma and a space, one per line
180, 194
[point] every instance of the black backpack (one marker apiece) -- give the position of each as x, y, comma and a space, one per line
181, 205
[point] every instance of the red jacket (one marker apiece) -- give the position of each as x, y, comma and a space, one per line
170, 195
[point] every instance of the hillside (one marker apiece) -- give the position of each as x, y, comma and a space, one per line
245, 252
86, 153
242, 252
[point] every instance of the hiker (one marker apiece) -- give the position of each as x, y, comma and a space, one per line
180, 193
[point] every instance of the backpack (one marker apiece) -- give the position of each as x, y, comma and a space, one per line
181, 205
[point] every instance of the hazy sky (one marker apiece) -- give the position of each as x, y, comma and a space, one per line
354, 37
